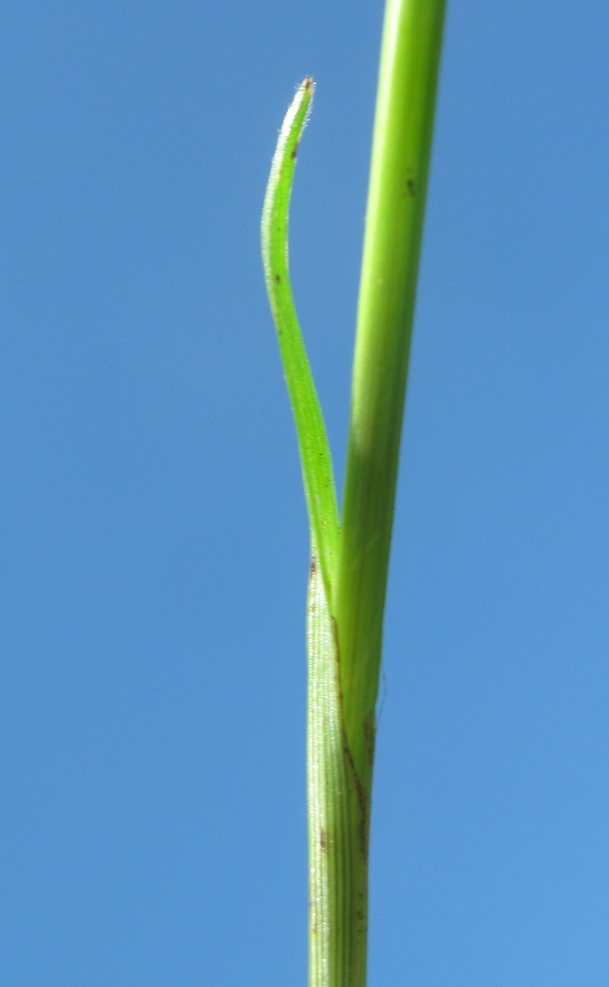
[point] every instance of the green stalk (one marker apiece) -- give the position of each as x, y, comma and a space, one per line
338, 816
349, 567
401, 148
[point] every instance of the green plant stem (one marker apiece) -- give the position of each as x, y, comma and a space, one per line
345, 630
338, 857
410, 56
349, 567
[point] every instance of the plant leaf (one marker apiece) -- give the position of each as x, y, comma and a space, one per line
315, 455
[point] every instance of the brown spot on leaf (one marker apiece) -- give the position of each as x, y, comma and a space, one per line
370, 736
362, 796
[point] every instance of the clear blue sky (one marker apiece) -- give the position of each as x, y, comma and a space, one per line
152, 526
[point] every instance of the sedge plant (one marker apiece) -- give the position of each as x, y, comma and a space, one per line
350, 557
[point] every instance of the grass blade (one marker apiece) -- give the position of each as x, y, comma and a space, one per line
315, 456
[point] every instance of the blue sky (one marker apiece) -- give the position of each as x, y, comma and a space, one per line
152, 525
